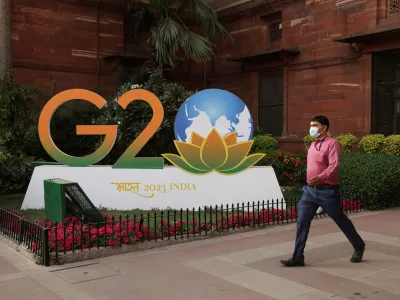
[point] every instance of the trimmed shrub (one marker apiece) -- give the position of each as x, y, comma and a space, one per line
262, 143
347, 141
15, 172
373, 177
308, 140
391, 145
372, 143
258, 131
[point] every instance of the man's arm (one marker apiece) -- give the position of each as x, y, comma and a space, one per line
334, 157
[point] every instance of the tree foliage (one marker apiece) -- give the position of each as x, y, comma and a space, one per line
132, 121
167, 22
17, 115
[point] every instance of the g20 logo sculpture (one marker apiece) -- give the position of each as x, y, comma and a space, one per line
213, 129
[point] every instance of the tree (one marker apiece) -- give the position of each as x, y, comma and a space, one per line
167, 22
15, 118
5, 37
132, 120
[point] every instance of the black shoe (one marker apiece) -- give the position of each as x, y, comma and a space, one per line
293, 262
357, 255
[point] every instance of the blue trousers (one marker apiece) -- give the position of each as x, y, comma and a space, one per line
329, 199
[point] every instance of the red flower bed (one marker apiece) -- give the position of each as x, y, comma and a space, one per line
350, 205
73, 234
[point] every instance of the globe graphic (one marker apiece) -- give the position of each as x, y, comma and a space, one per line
213, 108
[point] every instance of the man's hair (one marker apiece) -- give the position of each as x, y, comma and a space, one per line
322, 120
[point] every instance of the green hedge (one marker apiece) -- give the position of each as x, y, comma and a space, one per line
263, 143
373, 177
347, 141
370, 177
391, 145
15, 172
378, 143
372, 143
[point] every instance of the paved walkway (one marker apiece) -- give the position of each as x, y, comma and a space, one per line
241, 266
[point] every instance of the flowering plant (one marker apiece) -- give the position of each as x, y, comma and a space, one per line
73, 234
290, 169
350, 205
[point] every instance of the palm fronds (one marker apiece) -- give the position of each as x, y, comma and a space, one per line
169, 31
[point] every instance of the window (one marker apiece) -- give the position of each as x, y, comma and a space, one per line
273, 21
394, 7
386, 93
396, 121
275, 31
270, 102
131, 35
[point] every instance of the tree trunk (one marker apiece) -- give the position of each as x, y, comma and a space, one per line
5, 37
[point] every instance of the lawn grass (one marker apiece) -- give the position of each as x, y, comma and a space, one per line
14, 202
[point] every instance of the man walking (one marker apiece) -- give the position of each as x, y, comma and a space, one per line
322, 191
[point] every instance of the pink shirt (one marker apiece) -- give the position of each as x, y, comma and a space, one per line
323, 160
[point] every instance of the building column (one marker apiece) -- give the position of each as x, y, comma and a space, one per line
367, 89
285, 102
254, 98
5, 37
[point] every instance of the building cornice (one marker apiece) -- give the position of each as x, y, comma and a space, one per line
70, 68
110, 5
252, 8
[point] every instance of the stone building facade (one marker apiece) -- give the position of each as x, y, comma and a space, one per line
292, 60
60, 44
289, 60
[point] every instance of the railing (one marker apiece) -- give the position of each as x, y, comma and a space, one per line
23, 231
47, 239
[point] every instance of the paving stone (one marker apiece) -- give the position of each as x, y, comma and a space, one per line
85, 273
6, 268
248, 256
344, 268
380, 260
218, 267
268, 284
239, 267
385, 280
25, 288
316, 295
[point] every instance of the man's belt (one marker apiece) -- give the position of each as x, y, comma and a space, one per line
324, 186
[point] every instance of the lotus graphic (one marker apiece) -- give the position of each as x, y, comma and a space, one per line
213, 153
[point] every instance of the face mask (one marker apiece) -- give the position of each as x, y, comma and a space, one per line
314, 132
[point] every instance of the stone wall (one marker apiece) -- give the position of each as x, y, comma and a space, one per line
59, 44
319, 80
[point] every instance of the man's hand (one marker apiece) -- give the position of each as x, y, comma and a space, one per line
315, 181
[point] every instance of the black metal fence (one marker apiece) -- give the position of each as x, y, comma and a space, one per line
45, 238
23, 231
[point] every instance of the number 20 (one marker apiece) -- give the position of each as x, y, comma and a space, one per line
128, 159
